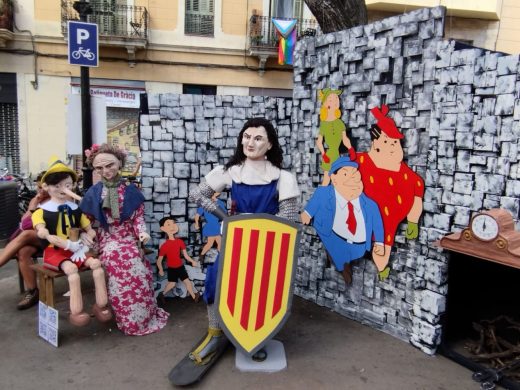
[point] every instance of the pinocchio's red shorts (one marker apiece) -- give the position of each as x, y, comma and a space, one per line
53, 257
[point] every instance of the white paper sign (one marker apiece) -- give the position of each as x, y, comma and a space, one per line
48, 322
115, 97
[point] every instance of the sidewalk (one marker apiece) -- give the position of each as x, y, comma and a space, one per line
324, 351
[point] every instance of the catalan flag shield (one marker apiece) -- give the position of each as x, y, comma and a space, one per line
256, 273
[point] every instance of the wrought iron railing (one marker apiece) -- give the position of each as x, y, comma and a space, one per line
6, 15
197, 24
113, 20
262, 33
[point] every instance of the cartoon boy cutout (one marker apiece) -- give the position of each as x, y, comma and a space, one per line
172, 248
211, 229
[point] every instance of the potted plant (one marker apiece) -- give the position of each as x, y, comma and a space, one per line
256, 40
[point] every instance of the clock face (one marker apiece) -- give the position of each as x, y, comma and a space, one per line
484, 227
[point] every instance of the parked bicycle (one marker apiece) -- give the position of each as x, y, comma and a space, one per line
26, 188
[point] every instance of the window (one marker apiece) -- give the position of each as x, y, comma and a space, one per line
193, 89
200, 17
287, 9
9, 137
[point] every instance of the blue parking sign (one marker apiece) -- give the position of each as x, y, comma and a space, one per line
83, 43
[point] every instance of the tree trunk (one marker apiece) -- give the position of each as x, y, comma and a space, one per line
337, 15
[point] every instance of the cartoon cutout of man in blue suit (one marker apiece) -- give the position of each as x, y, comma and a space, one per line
344, 217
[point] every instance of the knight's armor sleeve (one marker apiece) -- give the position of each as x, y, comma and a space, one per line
202, 197
288, 209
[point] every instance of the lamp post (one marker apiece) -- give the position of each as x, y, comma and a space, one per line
83, 8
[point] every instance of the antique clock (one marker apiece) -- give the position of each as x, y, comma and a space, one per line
490, 235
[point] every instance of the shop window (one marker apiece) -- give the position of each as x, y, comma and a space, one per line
193, 89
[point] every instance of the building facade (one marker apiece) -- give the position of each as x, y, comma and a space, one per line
153, 46
222, 47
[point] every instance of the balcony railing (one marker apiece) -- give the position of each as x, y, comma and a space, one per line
196, 24
263, 36
114, 21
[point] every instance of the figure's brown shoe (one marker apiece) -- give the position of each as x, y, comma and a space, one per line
80, 319
29, 299
103, 314
347, 273
196, 298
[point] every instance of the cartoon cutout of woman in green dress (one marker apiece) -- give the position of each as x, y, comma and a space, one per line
332, 130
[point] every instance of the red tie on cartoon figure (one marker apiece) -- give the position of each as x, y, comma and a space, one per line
351, 219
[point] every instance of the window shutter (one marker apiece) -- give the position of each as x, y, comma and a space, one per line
9, 140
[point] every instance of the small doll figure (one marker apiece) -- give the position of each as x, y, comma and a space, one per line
56, 221
332, 130
172, 249
211, 229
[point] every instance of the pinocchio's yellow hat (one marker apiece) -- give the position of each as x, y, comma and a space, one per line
55, 166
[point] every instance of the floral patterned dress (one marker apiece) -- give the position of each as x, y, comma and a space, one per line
130, 287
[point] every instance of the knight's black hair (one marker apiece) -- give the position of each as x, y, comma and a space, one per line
274, 155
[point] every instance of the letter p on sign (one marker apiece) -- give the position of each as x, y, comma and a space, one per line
82, 36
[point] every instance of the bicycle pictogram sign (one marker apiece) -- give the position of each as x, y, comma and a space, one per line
85, 53
83, 43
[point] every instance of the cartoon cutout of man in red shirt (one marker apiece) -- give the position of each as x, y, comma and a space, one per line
390, 182
172, 249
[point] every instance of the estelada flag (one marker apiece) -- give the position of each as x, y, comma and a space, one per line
256, 274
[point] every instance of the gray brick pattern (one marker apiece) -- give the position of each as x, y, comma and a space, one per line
393, 61
459, 111
182, 139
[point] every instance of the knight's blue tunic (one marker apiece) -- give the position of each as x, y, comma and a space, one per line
248, 198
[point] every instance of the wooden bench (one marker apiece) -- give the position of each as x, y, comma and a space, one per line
46, 283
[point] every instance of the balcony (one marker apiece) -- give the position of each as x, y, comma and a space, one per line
475, 9
118, 25
6, 22
263, 39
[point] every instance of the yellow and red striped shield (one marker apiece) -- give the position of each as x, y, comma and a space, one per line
256, 273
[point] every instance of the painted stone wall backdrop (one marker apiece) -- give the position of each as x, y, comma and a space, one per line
459, 111
182, 139
458, 108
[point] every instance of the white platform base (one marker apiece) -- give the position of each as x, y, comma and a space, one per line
275, 361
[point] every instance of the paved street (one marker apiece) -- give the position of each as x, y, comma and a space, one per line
324, 350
